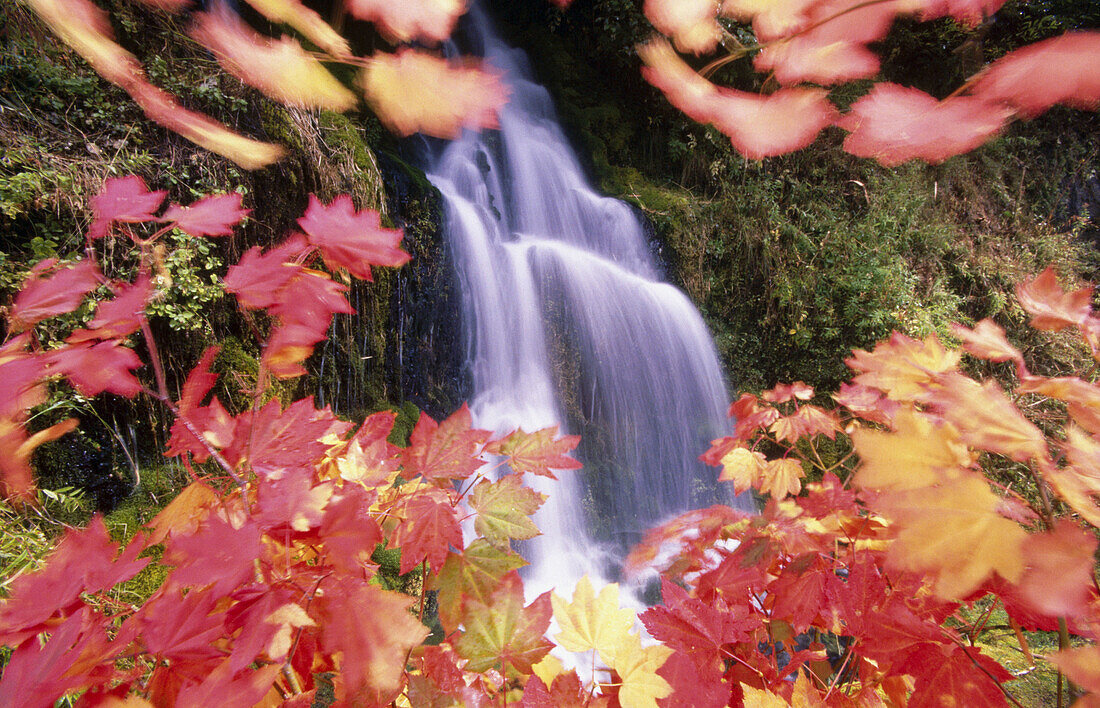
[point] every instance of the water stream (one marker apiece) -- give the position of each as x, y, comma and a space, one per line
568, 322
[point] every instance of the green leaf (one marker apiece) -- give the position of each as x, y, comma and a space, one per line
503, 632
471, 575
504, 509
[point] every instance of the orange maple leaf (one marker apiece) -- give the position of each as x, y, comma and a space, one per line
903, 367
1049, 306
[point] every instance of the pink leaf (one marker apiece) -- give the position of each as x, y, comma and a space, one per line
120, 317
690, 23
350, 239
405, 21
968, 12
758, 126
212, 216
93, 369
125, 199
1062, 70
893, 124
42, 298
835, 49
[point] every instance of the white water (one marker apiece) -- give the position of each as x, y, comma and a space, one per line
568, 322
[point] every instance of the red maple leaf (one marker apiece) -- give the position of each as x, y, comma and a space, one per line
215, 215
805, 589
348, 531
304, 306
440, 663
217, 555
251, 620
893, 124
179, 628
828, 497
61, 292
694, 684
745, 427
16, 448
370, 458
447, 450
867, 403
428, 529
213, 422
350, 239
746, 404
119, 317
95, 368
125, 199
782, 393
224, 686
697, 628
719, 448
274, 440
372, 631
951, 671
291, 503
739, 576
538, 452
37, 675
1058, 577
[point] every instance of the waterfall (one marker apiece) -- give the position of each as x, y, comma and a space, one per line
568, 322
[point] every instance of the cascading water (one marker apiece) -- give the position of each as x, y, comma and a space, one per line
568, 323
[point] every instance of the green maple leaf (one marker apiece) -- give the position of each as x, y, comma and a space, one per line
503, 632
504, 509
473, 574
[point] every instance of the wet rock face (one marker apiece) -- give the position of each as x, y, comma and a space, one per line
424, 353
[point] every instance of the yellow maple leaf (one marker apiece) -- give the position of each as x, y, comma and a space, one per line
593, 621
637, 669
743, 467
919, 452
762, 698
306, 21
1078, 483
548, 669
782, 477
184, 513
413, 91
902, 367
953, 533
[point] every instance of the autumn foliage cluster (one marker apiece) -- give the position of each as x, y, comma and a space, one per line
845, 592
801, 47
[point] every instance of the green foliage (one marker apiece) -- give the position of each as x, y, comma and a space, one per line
188, 283
27, 535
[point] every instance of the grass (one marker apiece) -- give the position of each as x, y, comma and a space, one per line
1035, 685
